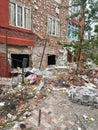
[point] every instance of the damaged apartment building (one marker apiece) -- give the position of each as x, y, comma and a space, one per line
30, 30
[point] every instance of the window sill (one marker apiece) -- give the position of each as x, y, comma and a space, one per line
19, 28
53, 35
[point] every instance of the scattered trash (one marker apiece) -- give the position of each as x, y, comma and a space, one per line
40, 87
79, 128
82, 125
22, 126
31, 78
2, 104
15, 99
12, 117
85, 117
88, 118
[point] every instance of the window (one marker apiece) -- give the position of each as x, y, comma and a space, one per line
74, 9
26, 17
53, 26
58, 1
72, 31
20, 16
12, 13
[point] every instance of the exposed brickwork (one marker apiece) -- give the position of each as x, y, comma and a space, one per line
39, 18
40, 9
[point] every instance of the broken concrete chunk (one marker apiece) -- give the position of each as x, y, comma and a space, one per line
12, 117
41, 85
83, 95
27, 114
2, 104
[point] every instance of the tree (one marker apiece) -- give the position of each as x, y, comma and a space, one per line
87, 15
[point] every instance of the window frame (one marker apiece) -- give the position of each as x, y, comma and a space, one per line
72, 29
22, 14
58, 1
53, 26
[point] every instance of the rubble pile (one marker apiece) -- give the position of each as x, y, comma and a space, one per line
13, 103
84, 87
89, 75
84, 95
15, 99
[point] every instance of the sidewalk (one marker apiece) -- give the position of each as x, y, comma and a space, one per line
58, 113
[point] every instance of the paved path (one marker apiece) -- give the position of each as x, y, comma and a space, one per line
58, 113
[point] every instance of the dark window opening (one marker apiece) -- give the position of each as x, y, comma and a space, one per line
51, 59
17, 60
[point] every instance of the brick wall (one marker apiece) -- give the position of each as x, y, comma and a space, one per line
39, 18
40, 11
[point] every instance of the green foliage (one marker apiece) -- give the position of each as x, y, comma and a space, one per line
89, 12
90, 52
96, 29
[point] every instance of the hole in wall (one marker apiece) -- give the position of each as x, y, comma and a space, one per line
17, 60
51, 59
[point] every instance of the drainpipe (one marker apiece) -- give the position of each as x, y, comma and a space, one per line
6, 54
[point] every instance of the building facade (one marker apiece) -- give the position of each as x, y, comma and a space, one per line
16, 37
50, 22
31, 29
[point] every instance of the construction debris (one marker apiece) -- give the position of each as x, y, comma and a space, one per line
14, 99
84, 95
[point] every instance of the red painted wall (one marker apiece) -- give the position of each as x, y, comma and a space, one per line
3, 66
4, 12
4, 16
16, 39
15, 36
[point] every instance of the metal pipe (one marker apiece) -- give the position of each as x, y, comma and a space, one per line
6, 54
39, 118
43, 53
